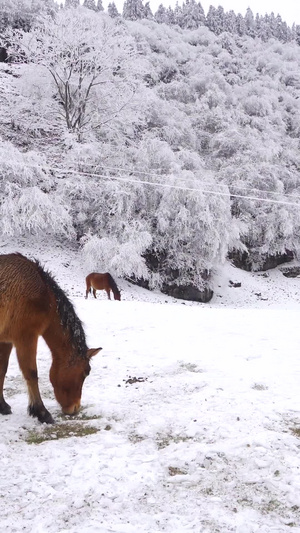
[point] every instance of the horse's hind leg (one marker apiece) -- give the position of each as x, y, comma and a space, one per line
5, 349
26, 353
88, 289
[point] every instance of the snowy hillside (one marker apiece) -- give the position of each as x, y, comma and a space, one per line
161, 148
190, 418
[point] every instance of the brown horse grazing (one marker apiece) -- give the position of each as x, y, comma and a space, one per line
32, 304
99, 282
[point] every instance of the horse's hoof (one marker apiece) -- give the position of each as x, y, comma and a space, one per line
47, 419
5, 409
41, 414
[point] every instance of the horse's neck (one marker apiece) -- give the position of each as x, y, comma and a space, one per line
57, 338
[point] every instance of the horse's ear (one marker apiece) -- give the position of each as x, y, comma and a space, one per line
93, 351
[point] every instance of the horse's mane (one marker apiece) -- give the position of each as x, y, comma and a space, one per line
68, 317
113, 284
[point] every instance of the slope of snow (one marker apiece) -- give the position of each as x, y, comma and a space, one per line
194, 407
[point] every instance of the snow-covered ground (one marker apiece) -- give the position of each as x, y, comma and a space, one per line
190, 417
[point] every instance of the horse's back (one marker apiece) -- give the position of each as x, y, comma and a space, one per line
97, 280
24, 298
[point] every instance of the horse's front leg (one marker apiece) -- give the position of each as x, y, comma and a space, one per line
94, 293
108, 293
26, 352
5, 349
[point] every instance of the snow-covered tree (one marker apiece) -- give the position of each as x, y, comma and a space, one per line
188, 239
161, 15
90, 4
133, 9
88, 57
72, 3
112, 10
170, 16
240, 25
193, 15
230, 22
29, 202
22, 14
178, 15
297, 34
213, 20
148, 12
250, 23
265, 32
99, 6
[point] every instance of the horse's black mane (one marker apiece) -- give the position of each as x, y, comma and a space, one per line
113, 284
68, 317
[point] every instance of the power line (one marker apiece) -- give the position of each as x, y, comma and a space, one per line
184, 180
162, 185
166, 185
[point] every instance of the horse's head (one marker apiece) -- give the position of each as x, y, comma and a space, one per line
117, 294
67, 382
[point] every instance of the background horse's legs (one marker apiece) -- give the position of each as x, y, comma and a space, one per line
26, 349
5, 349
88, 289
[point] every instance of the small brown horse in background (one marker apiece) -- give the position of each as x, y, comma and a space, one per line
99, 282
32, 304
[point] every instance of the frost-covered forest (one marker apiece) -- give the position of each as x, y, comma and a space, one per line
159, 143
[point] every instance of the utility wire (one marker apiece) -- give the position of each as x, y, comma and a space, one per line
178, 187
163, 185
184, 180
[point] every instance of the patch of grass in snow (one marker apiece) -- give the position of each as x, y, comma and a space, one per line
175, 471
163, 441
59, 431
80, 416
259, 386
270, 506
134, 438
296, 431
191, 367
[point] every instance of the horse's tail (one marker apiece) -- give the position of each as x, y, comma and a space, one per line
113, 286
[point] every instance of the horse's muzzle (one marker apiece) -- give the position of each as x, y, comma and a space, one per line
72, 410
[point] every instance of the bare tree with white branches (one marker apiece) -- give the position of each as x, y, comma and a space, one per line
91, 59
